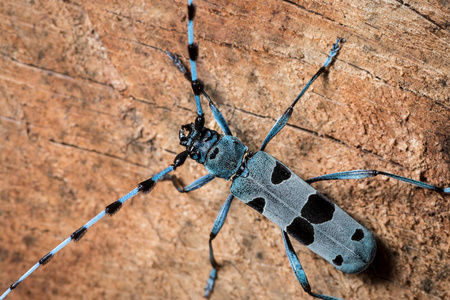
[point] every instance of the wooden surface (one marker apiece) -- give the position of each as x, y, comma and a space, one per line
91, 105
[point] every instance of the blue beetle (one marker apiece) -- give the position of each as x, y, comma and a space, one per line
263, 183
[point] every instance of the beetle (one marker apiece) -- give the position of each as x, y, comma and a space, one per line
248, 170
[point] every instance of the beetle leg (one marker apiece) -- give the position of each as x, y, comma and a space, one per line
198, 183
359, 174
218, 223
282, 121
298, 269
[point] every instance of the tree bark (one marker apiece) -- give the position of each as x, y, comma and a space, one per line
91, 105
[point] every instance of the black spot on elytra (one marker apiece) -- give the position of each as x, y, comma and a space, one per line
338, 260
318, 209
215, 152
301, 230
280, 173
358, 235
258, 204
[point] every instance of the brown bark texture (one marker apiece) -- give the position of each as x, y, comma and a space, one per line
91, 105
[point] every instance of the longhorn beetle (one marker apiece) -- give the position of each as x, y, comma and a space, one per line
263, 183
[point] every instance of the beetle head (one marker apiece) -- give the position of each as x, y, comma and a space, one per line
198, 140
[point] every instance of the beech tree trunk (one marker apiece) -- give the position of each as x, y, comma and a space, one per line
91, 105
